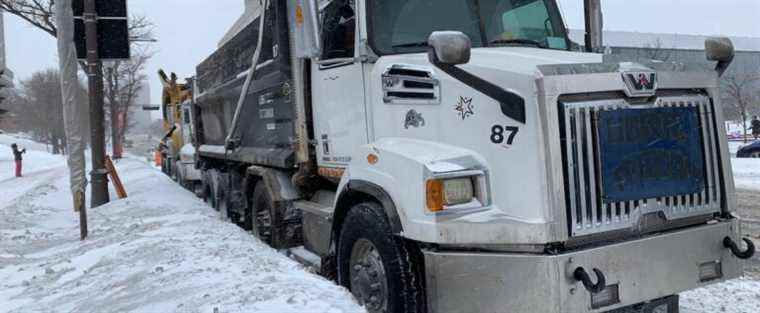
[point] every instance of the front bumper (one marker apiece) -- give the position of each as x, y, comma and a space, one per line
644, 269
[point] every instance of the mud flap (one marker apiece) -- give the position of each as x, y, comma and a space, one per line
286, 224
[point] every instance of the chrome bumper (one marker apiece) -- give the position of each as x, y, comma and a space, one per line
644, 269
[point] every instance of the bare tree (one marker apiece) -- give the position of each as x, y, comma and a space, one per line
40, 111
123, 83
41, 14
740, 94
37, 12
655, 51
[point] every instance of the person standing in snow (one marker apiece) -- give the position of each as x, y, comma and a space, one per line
17, 156
755, 127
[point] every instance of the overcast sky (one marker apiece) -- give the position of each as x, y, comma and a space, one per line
188, 30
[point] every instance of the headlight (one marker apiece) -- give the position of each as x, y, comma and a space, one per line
442, 193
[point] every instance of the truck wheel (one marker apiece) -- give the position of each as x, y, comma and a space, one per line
381, 270
261, 214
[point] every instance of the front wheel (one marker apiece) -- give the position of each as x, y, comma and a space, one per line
383, 271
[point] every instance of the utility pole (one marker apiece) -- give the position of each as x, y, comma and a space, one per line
99, 180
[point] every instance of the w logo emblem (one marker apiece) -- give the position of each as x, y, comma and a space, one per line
640, 83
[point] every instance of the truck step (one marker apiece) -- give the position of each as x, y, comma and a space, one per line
324, 212
305, 257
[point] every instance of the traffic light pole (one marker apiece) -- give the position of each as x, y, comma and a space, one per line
99, 181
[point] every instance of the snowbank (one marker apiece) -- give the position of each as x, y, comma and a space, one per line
161, 250
746, 173
37, 160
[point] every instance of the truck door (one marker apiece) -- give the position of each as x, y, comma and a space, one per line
338, 88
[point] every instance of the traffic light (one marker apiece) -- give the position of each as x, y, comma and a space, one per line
113, 29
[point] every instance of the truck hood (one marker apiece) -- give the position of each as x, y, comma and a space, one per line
523, 60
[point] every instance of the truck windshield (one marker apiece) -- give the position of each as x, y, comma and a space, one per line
403, 26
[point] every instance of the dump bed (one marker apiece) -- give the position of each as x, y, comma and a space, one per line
266, 129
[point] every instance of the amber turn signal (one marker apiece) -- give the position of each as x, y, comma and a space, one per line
434, 191
372, 159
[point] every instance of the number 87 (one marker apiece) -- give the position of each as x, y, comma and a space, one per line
497, 134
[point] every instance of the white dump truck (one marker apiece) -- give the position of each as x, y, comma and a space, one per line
466, 156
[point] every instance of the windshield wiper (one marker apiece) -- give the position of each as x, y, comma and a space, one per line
518, 41
411, 45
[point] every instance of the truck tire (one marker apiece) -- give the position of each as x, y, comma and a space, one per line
383, 271
209, 195
261, 214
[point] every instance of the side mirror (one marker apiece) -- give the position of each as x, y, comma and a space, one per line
720, 49
303, 17
449, 47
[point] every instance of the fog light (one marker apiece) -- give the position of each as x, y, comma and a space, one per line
710, 271
609, 296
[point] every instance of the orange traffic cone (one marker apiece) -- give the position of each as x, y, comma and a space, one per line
157, 157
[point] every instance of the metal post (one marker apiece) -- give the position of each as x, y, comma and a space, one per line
97, 132
594, 25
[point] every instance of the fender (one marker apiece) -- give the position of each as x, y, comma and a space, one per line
278, 183
394, 171
374, 191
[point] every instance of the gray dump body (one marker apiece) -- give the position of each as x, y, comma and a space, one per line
266, 126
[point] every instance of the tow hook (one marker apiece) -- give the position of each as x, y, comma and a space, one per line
581, 275
729, 243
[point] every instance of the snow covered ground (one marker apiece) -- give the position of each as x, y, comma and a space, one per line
160, 250
746, 171
163, 250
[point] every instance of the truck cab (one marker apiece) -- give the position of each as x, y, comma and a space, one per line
466, 156
176, 148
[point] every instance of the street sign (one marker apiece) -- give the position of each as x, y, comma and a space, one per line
113, 29
113, 39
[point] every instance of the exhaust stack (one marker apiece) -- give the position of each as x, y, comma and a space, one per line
594, 25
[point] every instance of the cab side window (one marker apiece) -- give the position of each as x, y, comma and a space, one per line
339, 30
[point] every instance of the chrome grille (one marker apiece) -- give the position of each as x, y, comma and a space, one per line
587, 213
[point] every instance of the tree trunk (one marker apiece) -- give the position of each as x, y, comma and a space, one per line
115, 132
744, 120
113, 96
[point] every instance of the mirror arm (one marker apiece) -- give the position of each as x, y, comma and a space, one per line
723, 65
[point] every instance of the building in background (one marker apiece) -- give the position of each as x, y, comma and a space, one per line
141, 119
745, 69
7, 74
6, 81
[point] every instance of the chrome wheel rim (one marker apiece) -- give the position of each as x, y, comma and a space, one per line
367, 275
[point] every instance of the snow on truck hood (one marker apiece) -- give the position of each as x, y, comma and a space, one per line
524, 60
520, 60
